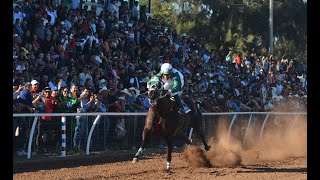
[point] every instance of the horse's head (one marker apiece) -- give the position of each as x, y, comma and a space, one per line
153, 96
155, 88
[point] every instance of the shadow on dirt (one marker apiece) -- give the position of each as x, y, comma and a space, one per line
67, 162
32, 165
268, 170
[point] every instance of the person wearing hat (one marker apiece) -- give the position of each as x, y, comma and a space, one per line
173, 82
143, 97
102, 84
134, 101
126, 91
35, 86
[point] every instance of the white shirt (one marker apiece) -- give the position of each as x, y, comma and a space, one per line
51, 84
302, 80
118, 4
205, 58
131, 36
244, 83
94, 27
83, 77
102, 24
168, 84
18, 15
114, 73
81, 44
53, 15
68, 24
44, 21
74, 4
176, 46
112, 8
279, 88
64, 42
135, 12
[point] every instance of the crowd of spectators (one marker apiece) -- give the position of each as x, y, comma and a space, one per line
71, 59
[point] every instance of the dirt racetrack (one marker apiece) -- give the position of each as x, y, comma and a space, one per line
282, 154
153, 167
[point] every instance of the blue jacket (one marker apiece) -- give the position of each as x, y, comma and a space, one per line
25, 97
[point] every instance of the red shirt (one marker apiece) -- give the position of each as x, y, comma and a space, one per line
52, 103
33, 90
85, 27
238, 60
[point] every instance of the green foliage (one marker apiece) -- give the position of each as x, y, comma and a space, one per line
239, 25
144, 2
163, 12
228, 35
185, 27
250, 38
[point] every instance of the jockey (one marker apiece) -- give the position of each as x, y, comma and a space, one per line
173, 81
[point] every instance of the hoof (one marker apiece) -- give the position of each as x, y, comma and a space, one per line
189, 142
135, 160
207, 148
168, 167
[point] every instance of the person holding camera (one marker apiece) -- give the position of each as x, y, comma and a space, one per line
80, 134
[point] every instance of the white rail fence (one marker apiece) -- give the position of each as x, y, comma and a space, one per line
231, 115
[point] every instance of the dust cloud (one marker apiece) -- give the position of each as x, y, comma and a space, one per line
284, 136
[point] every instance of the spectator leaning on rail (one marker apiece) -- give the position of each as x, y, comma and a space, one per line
47, 125
86, 100
173, 82
97, 106
23, 104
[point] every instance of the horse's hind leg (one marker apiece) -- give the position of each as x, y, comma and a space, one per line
187, 140
201, 134
198, 128
145, 138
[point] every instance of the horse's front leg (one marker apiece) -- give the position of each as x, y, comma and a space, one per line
169, 142
145, 138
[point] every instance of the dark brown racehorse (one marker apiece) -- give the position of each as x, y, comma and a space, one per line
164, 120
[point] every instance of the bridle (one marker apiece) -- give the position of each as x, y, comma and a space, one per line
156, 87
155, 100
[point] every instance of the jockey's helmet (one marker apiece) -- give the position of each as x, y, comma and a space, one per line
166, 68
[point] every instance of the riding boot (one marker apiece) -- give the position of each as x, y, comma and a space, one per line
183, 107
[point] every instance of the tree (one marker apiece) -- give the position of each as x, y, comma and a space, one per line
239, 25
